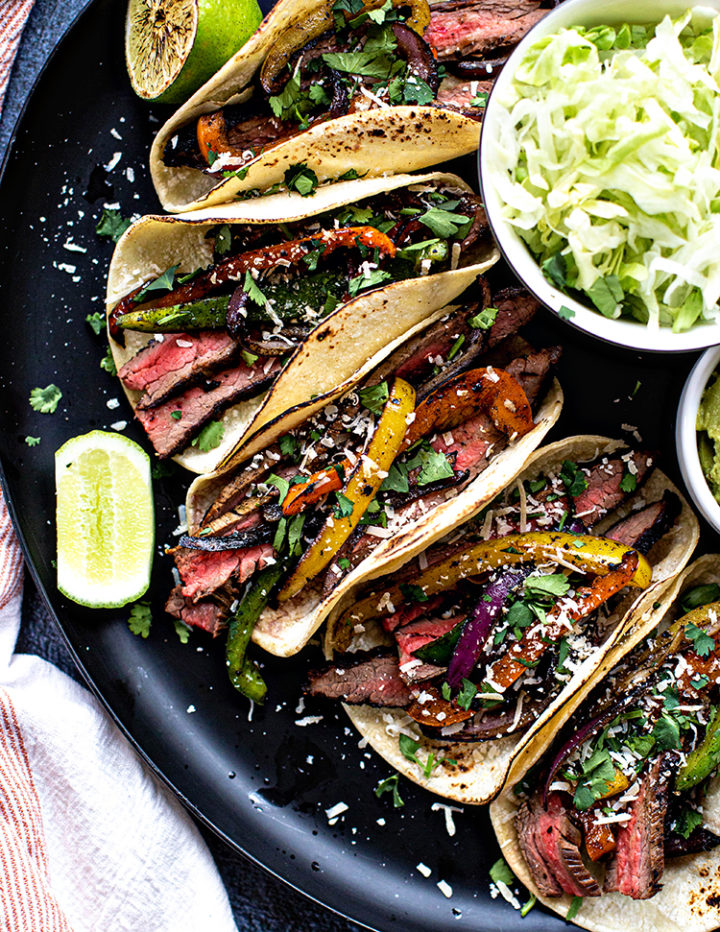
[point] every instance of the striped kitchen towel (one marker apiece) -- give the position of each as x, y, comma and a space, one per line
13, 16
89, 839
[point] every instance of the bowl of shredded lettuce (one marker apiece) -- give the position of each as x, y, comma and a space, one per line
600, 169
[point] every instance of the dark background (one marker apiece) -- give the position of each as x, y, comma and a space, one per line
260, 903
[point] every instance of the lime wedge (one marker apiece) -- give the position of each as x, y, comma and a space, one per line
105, 519
172, 47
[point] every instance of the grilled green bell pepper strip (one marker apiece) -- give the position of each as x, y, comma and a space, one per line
701, 762
243, 673
205, 314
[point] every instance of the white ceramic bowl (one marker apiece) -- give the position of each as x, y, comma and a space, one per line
621, 332
686, 436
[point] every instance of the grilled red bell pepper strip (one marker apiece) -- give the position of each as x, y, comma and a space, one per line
534, 642
317, 486
360, 488
468, 394
233, 268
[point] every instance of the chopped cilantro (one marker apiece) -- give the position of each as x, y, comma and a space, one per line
331, 302
566, 313
294, 534
282, 485
302, 179
396, 479
344, 563
212, 156
434, 466
108, 363
252, 291
249, 358
598, 773
687, 821
373, 397
702, 643
210, 437
501, 873
390, 785
288, 445
161, 283
444, 223
409, 747
223, 240
666, 733
140, 618
182, 630
699, 682
526, 907
176, 415
344, 507
413, 593
628, 483
467, 693
367, 280
32, 441
636, 389
112, 224
417, 91
485, 319
456, 347
480, 100
553, 584
446, 692
45, 400
700, 595
96, 321
573, 478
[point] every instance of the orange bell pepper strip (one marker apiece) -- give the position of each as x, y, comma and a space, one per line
467, 394
233, 268
599, 839
360, 488
436, 711
317, 486
534, 642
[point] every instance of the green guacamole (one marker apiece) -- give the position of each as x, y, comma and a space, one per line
708, 428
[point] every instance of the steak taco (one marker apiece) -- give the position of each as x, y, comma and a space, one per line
313, 504
465, 655
221, 321
622, 811
329, 89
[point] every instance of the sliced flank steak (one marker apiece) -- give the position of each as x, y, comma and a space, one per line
172, 425
459, 29
605, 490
370, 678
207, 615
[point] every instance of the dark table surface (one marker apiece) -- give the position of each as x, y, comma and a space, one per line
260, 903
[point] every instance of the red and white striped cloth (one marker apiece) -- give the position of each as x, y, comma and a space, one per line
90, 841
13, 16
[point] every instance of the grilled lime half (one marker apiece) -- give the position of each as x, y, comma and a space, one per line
105, 519
172, 47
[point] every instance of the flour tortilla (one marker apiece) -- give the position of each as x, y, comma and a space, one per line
483, 768
345, 346
690, 895
372, 142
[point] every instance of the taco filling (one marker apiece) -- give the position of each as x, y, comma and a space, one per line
301, 515
223, 333
485, 629
625, 785
348, 56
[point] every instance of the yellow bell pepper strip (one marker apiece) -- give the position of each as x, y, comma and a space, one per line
535, 640
317, 486
599, 839
318, 22
360, 488
466, 395
596, 555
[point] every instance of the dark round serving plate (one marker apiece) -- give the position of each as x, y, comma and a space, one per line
261, 781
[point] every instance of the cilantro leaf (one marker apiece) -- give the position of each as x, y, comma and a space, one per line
288, 445
413, 593
702, 643
210, 437
666, 733
252, 291
344, 563
161, 283
182, 630
485, 319
467, 693
367, 280
409, 748
628, 483
223, 240
553, 584
367, 64
444, 223
501, 873
108, 363
417, 91
573, 478
434, 466
396, 479
373, 397
390, 785
687, 821
700, 595
32, 441
45, 400
302, 179
112, 224
566, 313
480, 100
574, 909
140, 618
97, 322
344, 507
249, 358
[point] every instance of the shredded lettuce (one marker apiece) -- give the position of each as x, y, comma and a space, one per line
607, 162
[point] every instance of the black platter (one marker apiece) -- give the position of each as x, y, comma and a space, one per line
263, 785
